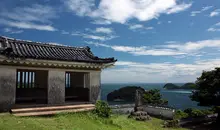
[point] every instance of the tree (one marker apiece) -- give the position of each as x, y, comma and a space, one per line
208, 91
154, 97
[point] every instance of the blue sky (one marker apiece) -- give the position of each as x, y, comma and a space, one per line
153, 40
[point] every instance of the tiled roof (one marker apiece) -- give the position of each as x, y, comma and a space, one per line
14, 48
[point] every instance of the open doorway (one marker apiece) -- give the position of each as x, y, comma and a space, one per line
31, 86
76, 86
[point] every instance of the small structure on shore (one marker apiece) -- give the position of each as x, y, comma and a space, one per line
38, 73
139, 113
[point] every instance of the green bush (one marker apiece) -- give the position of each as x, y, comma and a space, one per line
154, 97
102, 109
171, 123
192, 112
180, 114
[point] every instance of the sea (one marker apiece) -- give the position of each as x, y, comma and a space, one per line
178, 99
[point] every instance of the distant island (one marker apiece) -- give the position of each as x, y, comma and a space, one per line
126, 94
185, 86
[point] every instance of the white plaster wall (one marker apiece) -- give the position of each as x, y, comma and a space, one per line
95, 86
56, 87
7, 88
157, 111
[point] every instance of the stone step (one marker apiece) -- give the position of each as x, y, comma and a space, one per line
43, 113
51, 108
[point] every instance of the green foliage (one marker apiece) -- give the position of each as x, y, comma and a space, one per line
171, 123
185, 86
179, 114
208, 90
125, 94
197, 113
78, 121
154, 97
192, 112
189, 86
102, 109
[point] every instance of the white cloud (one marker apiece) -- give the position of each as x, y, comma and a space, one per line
215, 13
136, 26
102, 22
195, 46
80, 7
171, 42
142, 50
185, 49
94, 37
110, 10
11, 31
194, 13
27, 25
169, 21
206, 8
33, 17
179, 8
139, 26
104, 30
128, 72
217, 24
64, 32
213, 29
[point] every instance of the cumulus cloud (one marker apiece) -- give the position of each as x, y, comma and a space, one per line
110, 10
175, 49
215, 13
130, 72
34, 17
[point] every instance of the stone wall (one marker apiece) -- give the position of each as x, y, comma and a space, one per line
164, 112
7, 88
95, 86
56, 87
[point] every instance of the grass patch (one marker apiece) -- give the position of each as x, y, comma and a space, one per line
78, 121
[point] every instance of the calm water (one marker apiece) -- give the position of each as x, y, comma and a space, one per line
178, 99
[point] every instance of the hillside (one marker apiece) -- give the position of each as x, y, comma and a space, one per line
185, 86
171, 86
124, 94
78, 121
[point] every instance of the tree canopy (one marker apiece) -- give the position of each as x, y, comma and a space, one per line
154, 97
208, 91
